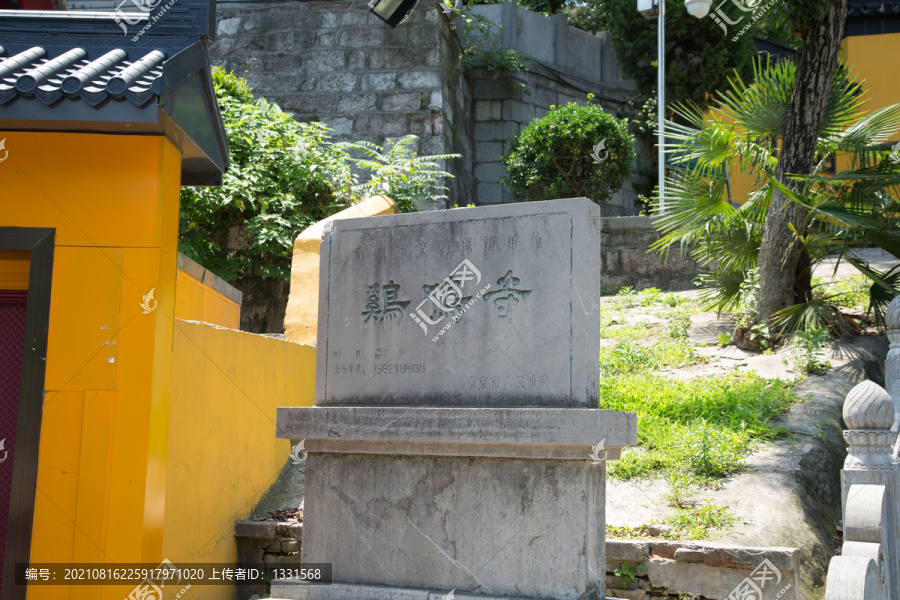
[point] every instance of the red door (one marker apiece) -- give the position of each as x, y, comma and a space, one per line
12, 337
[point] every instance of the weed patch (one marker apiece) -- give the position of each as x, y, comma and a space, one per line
704, 426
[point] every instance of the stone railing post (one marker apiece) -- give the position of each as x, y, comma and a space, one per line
870, 485
892, 364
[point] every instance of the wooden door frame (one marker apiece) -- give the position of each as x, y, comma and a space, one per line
40, 242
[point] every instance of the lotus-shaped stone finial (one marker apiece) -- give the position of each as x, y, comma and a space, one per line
892, 314
868, 406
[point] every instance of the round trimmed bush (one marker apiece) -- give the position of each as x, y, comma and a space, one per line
572, 151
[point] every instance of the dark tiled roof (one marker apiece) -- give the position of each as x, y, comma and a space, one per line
89, 72
72, 75
864, 8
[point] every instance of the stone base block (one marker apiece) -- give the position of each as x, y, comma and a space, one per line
288, 590
498, 527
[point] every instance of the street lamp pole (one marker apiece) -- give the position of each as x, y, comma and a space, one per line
661, 102
699, 9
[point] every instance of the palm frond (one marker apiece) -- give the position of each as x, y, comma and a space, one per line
814, 314
885, 287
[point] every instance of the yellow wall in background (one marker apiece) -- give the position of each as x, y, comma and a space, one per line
196, 301
866, 58
223, 455
113, 201
869, 57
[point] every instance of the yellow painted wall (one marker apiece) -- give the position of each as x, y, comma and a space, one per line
223, 455
113, 200
869, 56
865, 56
301, 317
196, 301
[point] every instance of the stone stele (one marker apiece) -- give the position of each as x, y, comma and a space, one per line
472, 460
494, 306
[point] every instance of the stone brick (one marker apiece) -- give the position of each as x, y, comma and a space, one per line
488, 110
625, 550
353, 104
256, 21
394, 58
406, 102
495, 89
314, 62
489, 172
306, 19
542, 96
426, 124
494, 131
490, 193
519, 111
356, 60
627, 594
281, 41
254, 529
309, 104
381, 124
689, 555
344, 18
433, 57
436, 101
488, 151
433, 145
379, 81
336, 82
341, 126
420, 80
362, 38
228, 26
306, 40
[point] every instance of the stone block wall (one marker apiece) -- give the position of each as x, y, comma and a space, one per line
565, 65
628, 262
337, 63
271, 543
662, 570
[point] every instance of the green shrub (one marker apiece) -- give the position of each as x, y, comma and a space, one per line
554, 156
397, 171
284, 176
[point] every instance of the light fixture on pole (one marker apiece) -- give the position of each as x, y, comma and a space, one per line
393, 12
698, 8
657, 8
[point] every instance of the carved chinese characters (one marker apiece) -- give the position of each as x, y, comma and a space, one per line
467, 307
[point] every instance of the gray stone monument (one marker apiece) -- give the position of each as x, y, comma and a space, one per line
455, 443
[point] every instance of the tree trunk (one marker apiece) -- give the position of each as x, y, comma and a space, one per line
780, 267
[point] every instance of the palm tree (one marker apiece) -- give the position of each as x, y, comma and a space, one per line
744, 132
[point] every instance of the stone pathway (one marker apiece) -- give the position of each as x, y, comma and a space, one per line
787, 486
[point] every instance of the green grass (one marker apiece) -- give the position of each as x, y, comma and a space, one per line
703, 426
629, 357
626, 332
701, 522
852, 293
